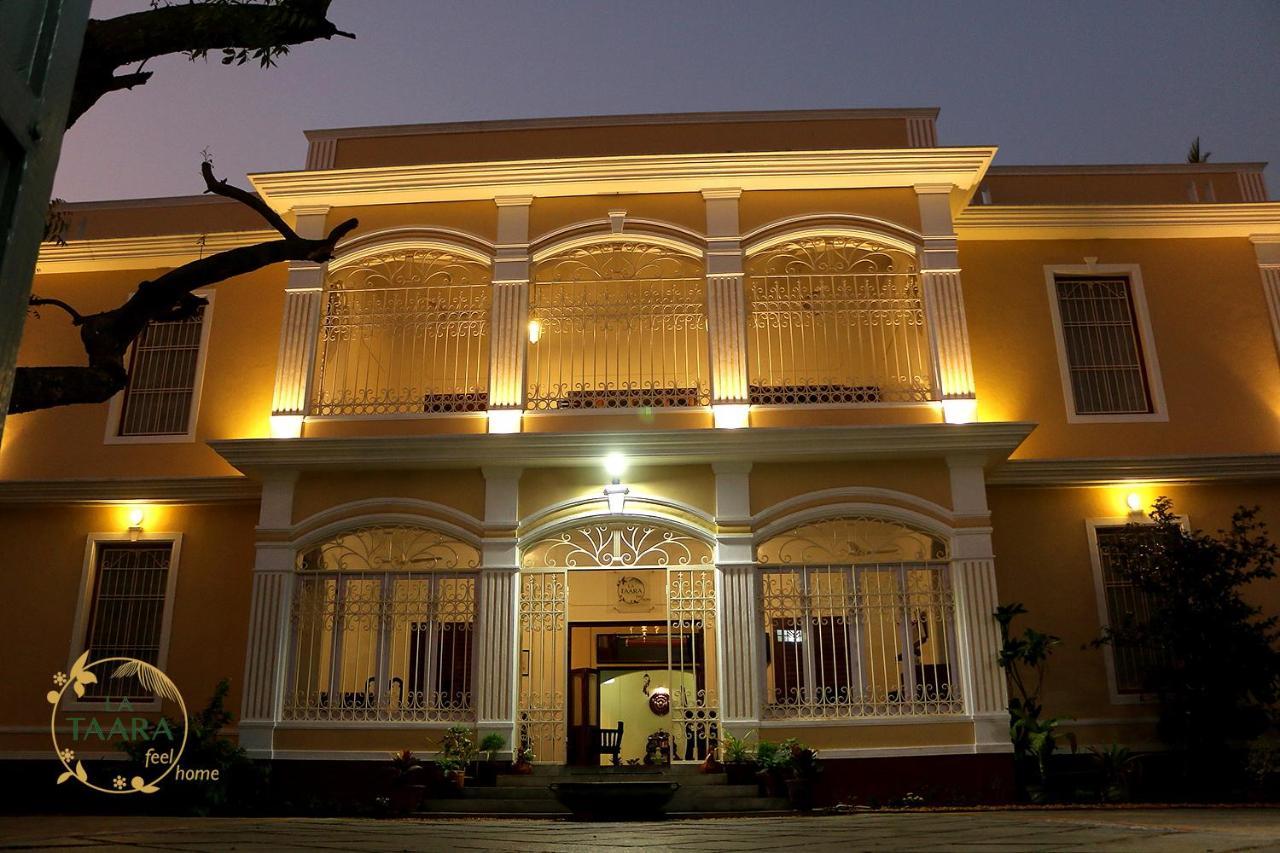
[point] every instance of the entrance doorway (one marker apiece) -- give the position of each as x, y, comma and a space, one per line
633, 691
617, 626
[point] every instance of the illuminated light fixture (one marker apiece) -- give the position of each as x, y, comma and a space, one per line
535, 331
959, 410
504, 420
286, 426
1133, 502
615, 465
731, 416
136, 515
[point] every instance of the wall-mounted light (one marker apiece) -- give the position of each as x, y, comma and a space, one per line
535, 331
615, 465
504, 420
286, 426
731, 416
136, 517
959, 410
1134, 502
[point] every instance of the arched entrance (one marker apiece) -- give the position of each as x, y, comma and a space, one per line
617, 626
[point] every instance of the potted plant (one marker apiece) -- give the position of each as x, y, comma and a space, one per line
522, 761
457, 748
657, 749
805, 768
1116, 766
407, 785
739, 760
773, 760
487, 769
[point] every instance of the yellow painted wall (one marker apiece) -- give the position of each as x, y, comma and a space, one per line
1211, 335
540, 488
461, 489
684, 209
1042, 560
898, 206
43, 560
775, 482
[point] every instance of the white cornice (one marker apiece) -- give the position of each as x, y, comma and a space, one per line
660, 173
149, 490
1156, 469
1127, 169
990, 441
135, 253
1112, 221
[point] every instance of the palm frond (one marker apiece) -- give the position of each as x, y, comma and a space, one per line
1194, 155
150, 677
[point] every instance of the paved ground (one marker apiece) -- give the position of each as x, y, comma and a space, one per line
1162, 830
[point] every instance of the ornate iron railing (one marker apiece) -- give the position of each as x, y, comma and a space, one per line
836, 320
406, 331
618, 325
383, 628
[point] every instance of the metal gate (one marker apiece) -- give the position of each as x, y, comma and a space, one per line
690, 618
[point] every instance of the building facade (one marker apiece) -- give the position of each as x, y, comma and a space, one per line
693, 423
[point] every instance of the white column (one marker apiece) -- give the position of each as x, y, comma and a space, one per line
494, 674
267, 644
1267, 249
973, 577
726, 309
509, 315
299, 328
944, 303
741, 636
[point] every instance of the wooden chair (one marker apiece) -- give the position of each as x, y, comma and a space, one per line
611, 743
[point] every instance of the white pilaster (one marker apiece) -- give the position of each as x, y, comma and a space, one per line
726, 307
1267, 249
267, 645
494, 676
741, 637
298, 331
944, 301
973, 578
509, 314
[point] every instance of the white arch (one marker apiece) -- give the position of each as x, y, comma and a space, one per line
599, 514
828, 225
825, 512
366, 245
594, 232
429, 515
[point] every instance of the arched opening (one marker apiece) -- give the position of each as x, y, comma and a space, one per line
618, 324
836, 319
404, 330
859, 620
617, 634
382, 627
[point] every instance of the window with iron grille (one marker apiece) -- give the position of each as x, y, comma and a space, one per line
860, 622
127, 610
1102, 345
1127, 605
383, 628
163, 367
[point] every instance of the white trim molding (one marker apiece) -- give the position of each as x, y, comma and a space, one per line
1266, 248
1116, 221
1122, 469
141, 253
1146, 340
194, 490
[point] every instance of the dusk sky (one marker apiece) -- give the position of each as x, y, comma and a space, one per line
1080, 82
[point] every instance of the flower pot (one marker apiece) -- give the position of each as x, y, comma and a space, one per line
800, 792
523, 768
406, 798
457, 779
740, 773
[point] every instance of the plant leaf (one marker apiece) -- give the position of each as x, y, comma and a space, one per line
77, 687
150, 677
65, 776
78, 666
87, 678
80, 772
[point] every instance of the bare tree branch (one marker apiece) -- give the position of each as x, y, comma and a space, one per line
263, 29
106, 336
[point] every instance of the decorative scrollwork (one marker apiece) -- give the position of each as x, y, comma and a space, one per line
617, 544
389, 547
851, 540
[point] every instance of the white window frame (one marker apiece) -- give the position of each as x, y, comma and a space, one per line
1100, 596
116, 405
1146, 340
84, 603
